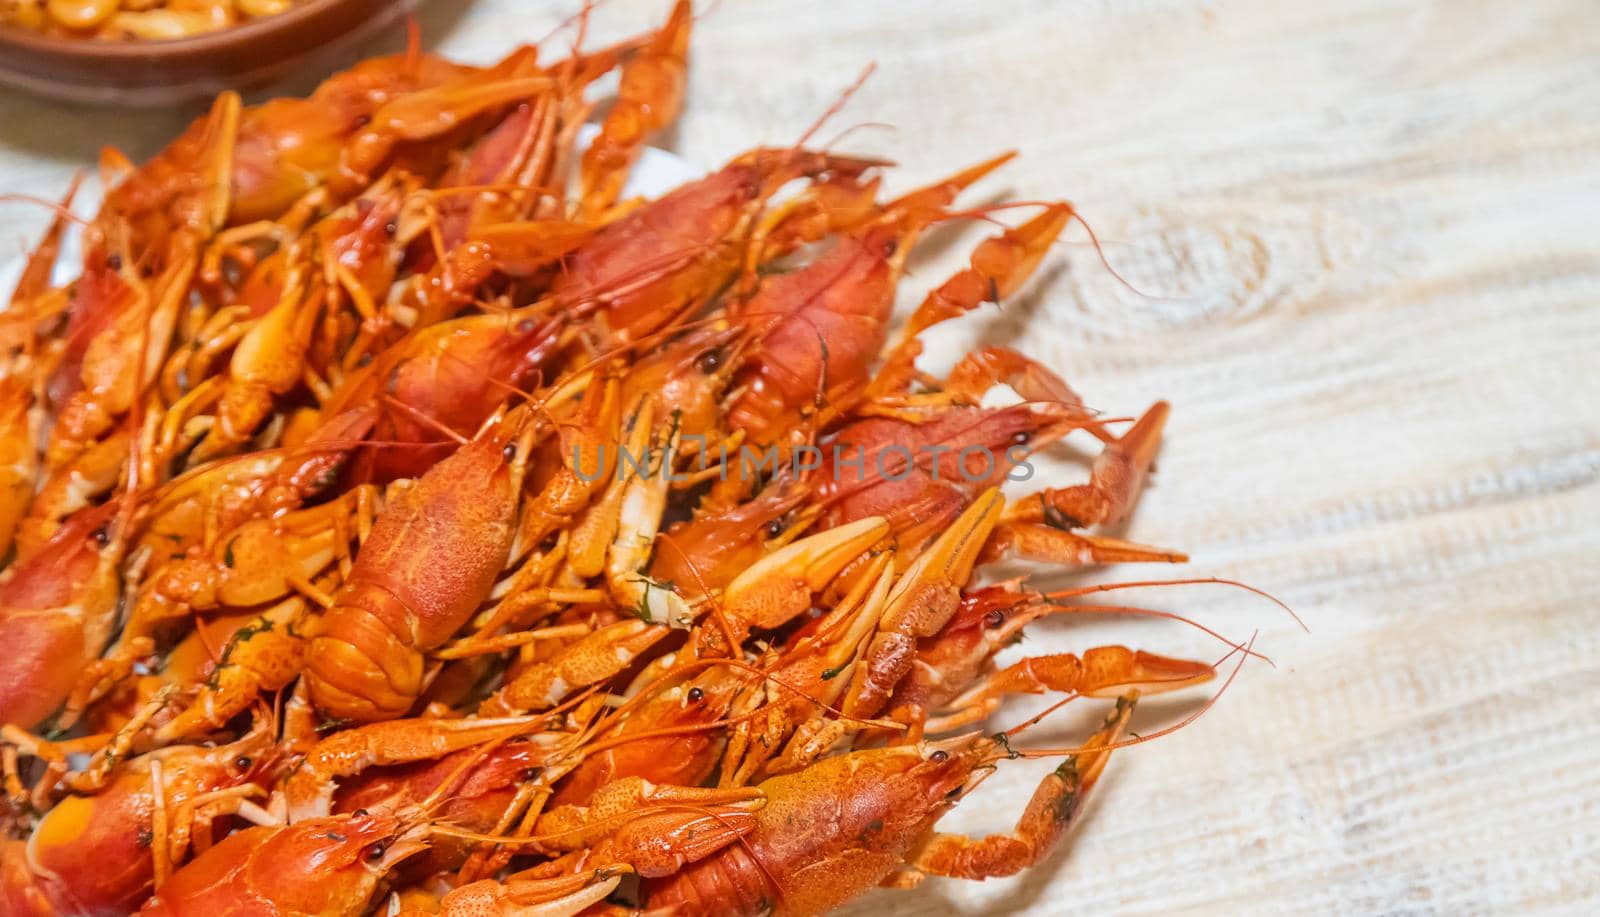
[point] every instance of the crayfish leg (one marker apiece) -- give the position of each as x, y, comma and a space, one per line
1035, 541
528, 896
661, 843
778, 587
572, 826
1114, 482
648, 100
1104, 671
921, 602
596, 658
999, 266
1052, 810
308, 793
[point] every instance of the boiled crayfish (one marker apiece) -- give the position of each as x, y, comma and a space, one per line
400, 518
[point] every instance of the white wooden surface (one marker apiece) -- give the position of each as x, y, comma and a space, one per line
1370, 237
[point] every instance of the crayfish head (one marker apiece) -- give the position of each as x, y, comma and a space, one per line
777, 166
1010, 434
496, 460
999, 611
358, 235
386, 853
939, 772
80, 554
709, 550
255, 757
688, 376
343, 858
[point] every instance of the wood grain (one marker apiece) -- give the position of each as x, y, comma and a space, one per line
1361, 257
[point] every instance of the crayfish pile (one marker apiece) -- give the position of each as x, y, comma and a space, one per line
399, 520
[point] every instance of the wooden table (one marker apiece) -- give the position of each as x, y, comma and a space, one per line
1361, 244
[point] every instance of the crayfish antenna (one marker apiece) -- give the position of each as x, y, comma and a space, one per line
837, 106
1136, 611
425, 419
35, 277
1061, 594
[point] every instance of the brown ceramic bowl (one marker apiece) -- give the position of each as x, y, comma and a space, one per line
150, 73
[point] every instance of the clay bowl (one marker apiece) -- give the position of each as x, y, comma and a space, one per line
154, 73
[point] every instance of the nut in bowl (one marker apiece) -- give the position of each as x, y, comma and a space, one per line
132, 20
164, 52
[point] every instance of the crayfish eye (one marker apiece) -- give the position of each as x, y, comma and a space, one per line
243, 762
939, 757
890, 247
509, 452
114, 261
1021, 438
359, 813
994, 618
101, 536
696, 695
375, 852
528, 773
709, 362
774, 528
